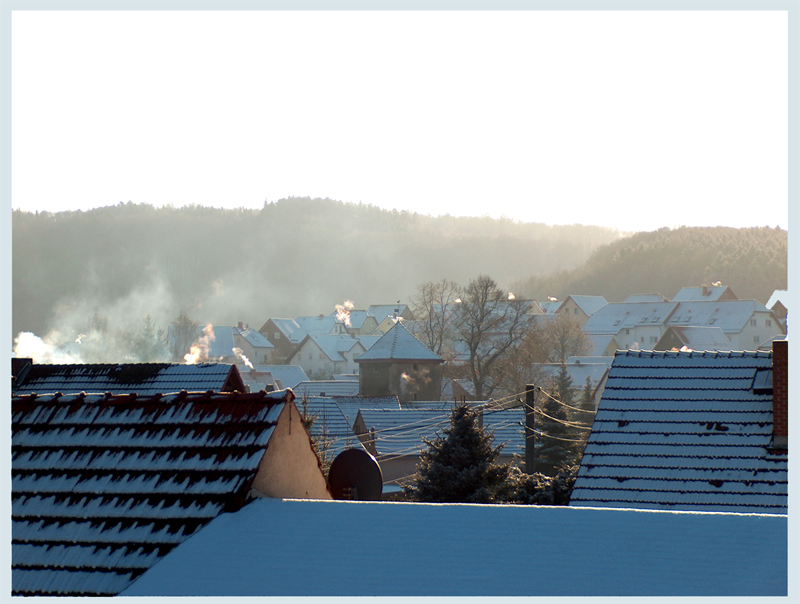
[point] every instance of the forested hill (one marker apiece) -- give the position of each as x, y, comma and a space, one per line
293, 257
753, 262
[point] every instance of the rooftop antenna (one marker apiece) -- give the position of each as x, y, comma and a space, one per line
355, 475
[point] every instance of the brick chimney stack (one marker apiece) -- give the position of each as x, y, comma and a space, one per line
780, 394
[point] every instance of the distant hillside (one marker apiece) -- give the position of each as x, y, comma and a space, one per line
752, 261
296, 256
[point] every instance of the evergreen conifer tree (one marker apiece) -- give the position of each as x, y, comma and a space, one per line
460, 466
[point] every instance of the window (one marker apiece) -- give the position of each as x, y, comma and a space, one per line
753, 322
277, 335
768, 323
756, 339
627, 332
576, 311
642, 339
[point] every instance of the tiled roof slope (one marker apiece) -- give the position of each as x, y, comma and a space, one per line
103, 487
145, 379
399, 344
684, 431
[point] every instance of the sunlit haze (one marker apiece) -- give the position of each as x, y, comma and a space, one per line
634, 120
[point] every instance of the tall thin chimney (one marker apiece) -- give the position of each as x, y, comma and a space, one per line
780, 394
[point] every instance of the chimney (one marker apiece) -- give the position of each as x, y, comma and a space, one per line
780, 394
241, 326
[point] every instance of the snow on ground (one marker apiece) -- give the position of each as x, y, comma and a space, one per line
334, 548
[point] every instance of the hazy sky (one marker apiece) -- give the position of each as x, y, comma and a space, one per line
635, 120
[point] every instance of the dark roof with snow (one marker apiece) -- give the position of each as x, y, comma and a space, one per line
399, 344
685, 431
145, 379
104, 486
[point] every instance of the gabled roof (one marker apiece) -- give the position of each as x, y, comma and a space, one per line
289, 375
351, 405
399, 344
612, 318
255, 338
684, 431
104, 486
355, 318
334, 345
381, 311
289, 328
415, 549
318, 325
143, 378
588, 304
704, 293
730, 316
697, 338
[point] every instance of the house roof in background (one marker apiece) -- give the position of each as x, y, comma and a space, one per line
103, 487
399, 344
289, 375
700, 338
351, 405
588, 304
255, 338
703, 293
578, 372
731, 316
381, 311
599, 343
684, 431
317, 324
612, 318
290, 329
143, 378
326, 388
413, 549
333, 345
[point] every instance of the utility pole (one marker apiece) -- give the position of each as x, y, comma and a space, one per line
530, 435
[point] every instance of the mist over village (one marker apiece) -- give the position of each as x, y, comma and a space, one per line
202, 398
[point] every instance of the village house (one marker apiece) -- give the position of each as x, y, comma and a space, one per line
690, 431
285, 335
324, 355
104, 486
693, 338
399, 364
708, 293
778, 303
580, 308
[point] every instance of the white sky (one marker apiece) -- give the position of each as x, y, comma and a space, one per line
634, 120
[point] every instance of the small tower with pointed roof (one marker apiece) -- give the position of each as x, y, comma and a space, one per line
399, 364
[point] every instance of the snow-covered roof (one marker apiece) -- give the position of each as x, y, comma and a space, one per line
698, 338
290, 329
333, 345
684, 431
351, 405
289, 375
399, 344
143, 378
255, 338
326, 388
103, 487
599, 343
703, 292
381, 311
612, 318
412, 549
730, 316
588, 304
317, 324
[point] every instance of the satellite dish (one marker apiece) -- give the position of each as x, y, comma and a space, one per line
355, 475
